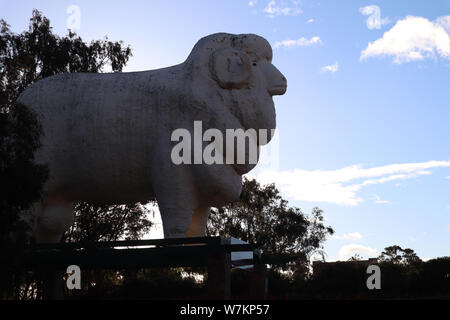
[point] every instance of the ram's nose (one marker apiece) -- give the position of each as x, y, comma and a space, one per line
277, 83
278, 89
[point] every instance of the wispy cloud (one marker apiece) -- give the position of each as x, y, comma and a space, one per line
252, 3
349, 250
342, 186
331, 68
349, 236
374, 20
282, 8
310, 21
302, 42
379, 201
413, 39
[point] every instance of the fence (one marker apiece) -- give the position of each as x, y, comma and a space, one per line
211, 252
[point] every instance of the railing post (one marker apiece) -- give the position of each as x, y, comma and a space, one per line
53, 284
258, 281
219, 273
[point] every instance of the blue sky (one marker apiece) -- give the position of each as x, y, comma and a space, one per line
364, 126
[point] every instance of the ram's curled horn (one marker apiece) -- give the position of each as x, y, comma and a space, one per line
231, 68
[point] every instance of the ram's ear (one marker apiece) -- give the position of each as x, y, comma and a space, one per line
230, 68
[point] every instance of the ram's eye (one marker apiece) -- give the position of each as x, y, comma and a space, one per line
254, 64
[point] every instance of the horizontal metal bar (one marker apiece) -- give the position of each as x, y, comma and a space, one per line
239, 247
176, 252
135, 243
111, 258
117, 258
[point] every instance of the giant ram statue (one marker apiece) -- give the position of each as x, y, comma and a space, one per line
108, 138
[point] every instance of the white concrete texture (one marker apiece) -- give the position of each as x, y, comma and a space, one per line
107, 136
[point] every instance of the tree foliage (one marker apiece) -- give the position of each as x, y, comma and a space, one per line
262, 217
21, 182
39, 53
21, 179
24, 59
396, 255
94, 223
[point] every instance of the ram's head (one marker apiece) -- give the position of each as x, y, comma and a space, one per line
241, 68
246, 59
233, 80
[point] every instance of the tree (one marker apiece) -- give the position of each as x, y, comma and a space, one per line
94, 223
355, 257
396, 255
21, 179
24, 59
262, 217
38, 53
21, 182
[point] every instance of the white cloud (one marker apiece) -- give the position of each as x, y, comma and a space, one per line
413, 39
302, 42
444, 21
374, 20
341, 186
349, 236
425, 259
278, 8
349, 250
310, 20
252, 3
448, 177
331, 68
379, 201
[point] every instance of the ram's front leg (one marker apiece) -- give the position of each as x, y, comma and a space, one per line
175, 219
176, 196
197, 228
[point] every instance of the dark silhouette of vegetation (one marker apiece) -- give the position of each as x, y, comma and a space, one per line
397, 255
39, 53
285, 234
94, 223
403, 275
21, 183
262, 217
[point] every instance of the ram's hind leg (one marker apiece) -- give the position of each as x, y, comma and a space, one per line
175, 193
54, 217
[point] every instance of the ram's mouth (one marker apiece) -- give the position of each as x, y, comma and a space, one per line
239, 169
232, 166
277, 90
234, 169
